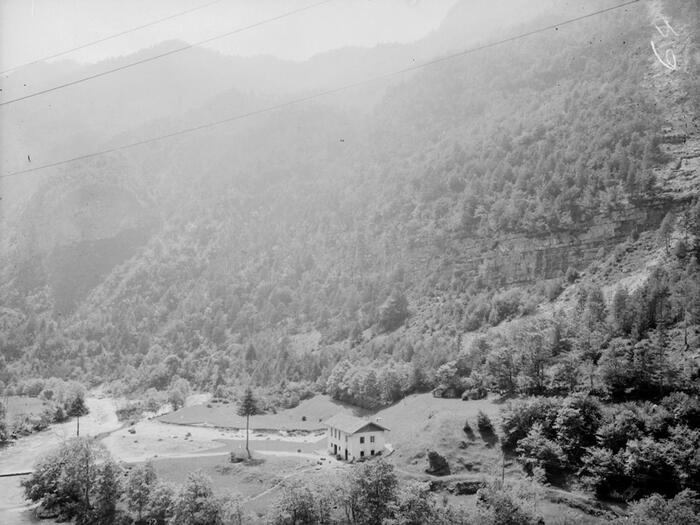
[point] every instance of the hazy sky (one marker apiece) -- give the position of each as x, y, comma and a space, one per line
31, 29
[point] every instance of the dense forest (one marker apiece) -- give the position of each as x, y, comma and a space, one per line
330, 239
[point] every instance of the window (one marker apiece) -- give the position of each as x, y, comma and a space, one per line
362, 440
362, 453
371, 452
371, 439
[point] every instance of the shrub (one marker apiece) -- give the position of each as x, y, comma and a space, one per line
571, 274
619, 426
649, 465
438, 465
518, 418
131, 410
298, 505
372, 487
76, 480
483, 422
577, 421
467, 428
502, 508
655, 510
537, 451
59, 415
685, 408
603, 472
196, 504
474, 388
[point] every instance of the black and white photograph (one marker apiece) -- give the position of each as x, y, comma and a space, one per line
350, 262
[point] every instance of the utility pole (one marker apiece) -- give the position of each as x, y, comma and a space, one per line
77, 430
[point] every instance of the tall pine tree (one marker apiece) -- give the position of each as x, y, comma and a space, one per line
247, 408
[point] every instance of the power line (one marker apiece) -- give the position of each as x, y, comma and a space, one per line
326, 92
168, 53
115, 35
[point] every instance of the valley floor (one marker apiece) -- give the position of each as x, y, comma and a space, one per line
201, 437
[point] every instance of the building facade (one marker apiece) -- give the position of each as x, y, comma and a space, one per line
351, 438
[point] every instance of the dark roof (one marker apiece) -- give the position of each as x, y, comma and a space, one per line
351, 424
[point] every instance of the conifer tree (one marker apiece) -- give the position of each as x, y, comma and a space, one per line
247, 408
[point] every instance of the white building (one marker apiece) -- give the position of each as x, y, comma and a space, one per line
353, 438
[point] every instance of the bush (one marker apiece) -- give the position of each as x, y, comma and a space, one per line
571, 274
502, 508
77, 480
298, 505
619, 425
536, 451
483, 422
474, 388
437, 464
518, 418
655, 510
372, 487
131, 410
603, 472
196, 504
59, 415
467, 428
577, 421
685, 408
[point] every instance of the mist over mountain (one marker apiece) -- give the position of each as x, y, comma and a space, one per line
510, 141
518, 225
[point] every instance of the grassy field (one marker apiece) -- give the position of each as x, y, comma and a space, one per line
308, 416
421, 422
259, 484
417, 424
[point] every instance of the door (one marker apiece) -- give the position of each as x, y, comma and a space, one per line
335, 450
346, 454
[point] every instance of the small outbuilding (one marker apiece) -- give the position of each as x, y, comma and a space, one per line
352, 437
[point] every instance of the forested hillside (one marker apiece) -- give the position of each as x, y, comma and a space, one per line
369, 254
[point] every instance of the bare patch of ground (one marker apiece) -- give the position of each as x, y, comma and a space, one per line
152, 438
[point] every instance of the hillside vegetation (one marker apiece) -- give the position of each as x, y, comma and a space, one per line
466, 234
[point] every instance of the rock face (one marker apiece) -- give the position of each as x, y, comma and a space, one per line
438, 464
521, 258
73, 232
